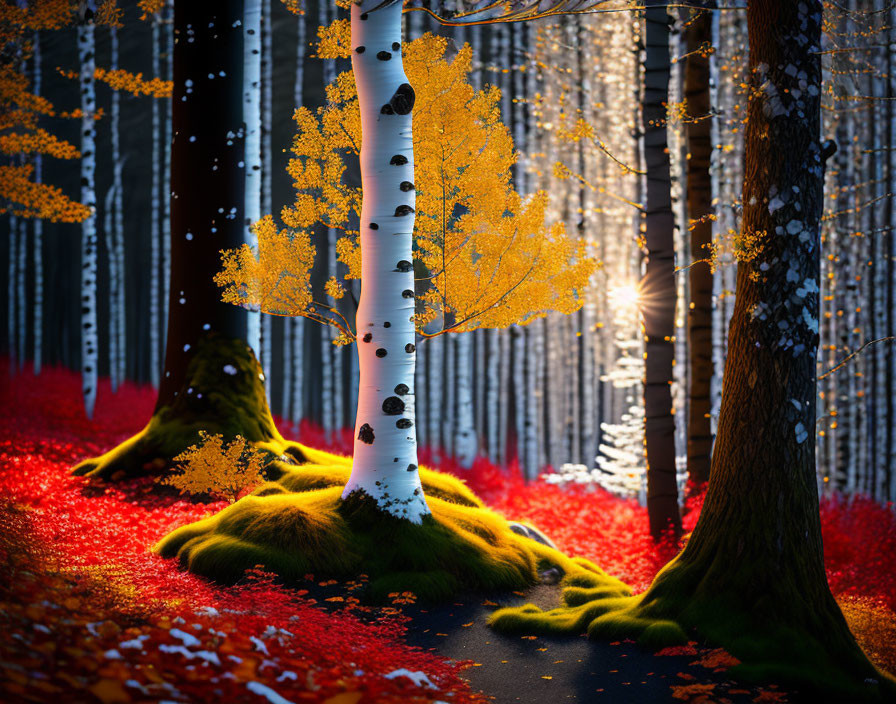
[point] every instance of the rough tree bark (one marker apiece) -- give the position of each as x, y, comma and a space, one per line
658, 286
699, 208
385, 448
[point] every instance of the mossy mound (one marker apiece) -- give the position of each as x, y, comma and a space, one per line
679, 606
461, 546
222, 394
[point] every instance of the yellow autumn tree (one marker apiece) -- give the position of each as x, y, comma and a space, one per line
21, 136
484, 257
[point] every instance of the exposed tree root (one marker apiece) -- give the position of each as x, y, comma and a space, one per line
223, 394
682, 604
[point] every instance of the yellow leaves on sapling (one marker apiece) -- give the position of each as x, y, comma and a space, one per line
218, 469
275, 277
484, 255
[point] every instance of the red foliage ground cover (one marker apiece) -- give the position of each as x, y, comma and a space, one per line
85, 607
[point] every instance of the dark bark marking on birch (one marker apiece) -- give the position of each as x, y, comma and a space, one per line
404, 265
393, 406
398, 160
374, 226
403, 99
381, 352
403, 210
407, 293
406, 186
365, 434
402, 389
367, 337
383, 55
403, 424
360, 50
409, 347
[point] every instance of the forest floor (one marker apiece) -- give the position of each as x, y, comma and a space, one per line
88, 614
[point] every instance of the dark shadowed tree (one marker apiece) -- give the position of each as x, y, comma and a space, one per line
699, 205
751, 578
658, 286
211, 380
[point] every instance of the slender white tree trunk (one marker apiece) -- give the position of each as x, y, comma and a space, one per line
435, 380
86, 51
155, 345
465, 441
118, 294
252, 119
293, 356
449, 379
12, 262
385, 452
110, 216
329, 354
38, 302
267, 96
168, 34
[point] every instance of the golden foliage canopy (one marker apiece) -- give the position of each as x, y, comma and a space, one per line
483, 254
21, 136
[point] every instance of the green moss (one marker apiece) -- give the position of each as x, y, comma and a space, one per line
676, 607
300, 525
210, 399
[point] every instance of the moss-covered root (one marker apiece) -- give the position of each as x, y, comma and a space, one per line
458, 547
221, 394
671, 611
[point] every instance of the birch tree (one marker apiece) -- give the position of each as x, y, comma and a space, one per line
486, 257
89, 333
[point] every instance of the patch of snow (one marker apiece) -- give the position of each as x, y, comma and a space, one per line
185, 638
259, 645
418, 678
266, 692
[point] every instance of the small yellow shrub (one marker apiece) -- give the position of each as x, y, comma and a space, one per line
217, 469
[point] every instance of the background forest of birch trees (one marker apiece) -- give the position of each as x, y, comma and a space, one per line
564, 390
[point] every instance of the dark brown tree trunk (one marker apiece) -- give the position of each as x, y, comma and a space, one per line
211, 380
752, 577
658, 286
699, 204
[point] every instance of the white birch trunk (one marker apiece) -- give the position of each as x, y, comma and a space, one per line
168, 33
298, 358
109, 214
435, 380
465, 440
328, 352
38, 302
891, 238
385, 447
267, 95
21, 298
118, 225
252, 119
12, 262
449, 379
294, 356
518, 338
155, 344
86, 57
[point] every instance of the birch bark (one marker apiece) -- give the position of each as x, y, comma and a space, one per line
89, 342
385, 446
